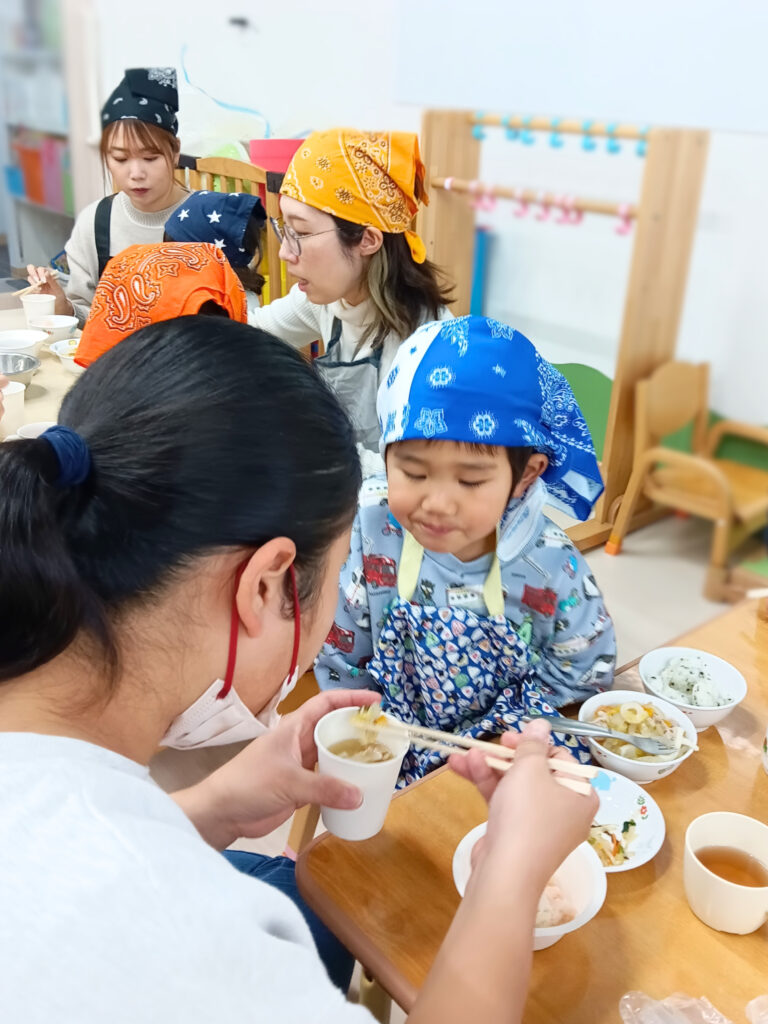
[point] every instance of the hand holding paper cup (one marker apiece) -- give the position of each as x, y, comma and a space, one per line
335, 737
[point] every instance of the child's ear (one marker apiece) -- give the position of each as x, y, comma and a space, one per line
535, 466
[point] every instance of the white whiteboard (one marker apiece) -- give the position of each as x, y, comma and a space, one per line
687, 63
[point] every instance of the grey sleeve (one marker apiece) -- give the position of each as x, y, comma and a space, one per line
579, 656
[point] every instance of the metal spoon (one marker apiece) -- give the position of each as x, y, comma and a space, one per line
574, 728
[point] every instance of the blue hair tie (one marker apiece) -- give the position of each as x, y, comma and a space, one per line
73, 454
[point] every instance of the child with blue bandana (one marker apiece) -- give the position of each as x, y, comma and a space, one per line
233, 222
460, 600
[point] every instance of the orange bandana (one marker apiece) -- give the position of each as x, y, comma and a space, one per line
147, 283
371, 178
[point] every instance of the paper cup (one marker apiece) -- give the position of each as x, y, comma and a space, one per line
30, 430
36, 305
375, 781
723, 905
13, 400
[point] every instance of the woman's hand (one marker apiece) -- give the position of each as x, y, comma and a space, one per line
264, 784
529, 812
47, 284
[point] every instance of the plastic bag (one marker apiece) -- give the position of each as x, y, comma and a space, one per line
638, 1008
757, 1010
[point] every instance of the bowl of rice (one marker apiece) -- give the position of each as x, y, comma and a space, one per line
571, 898
65, 350
703, 686
629, 712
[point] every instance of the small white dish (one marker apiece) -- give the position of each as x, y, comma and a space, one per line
581, 877
727, 681
66, 355
622, 800
642, 769
26, 342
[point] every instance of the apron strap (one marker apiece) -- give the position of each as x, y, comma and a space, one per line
102, 231
410, 566
335, 333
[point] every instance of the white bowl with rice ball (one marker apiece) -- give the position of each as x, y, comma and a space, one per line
703, 686
572, 897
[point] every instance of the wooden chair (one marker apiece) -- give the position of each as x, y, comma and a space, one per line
732, 495
218, 174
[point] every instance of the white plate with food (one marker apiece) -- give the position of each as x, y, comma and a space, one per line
573, 895
629, 827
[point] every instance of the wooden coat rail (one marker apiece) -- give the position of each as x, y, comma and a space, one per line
665, 226
564, 126
530, 195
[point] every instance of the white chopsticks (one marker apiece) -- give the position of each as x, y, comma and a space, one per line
497, 757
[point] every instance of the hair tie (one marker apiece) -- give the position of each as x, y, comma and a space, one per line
73, 454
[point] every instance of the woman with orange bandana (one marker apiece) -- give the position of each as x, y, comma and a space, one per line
347, 202
145, 284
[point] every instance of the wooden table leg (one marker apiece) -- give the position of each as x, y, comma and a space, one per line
374, 998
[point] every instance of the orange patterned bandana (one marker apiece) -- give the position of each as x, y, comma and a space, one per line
147, 283
371, 178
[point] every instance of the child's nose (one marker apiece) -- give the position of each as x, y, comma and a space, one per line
438, 501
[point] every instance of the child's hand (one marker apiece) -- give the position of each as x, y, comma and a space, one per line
529, 811
47, 284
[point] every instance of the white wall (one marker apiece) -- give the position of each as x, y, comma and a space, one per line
309, 65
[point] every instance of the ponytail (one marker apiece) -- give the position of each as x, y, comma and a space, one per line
43, 601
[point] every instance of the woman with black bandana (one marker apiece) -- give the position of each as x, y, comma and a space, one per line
139, 148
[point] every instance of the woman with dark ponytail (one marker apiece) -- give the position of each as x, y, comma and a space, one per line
169, 563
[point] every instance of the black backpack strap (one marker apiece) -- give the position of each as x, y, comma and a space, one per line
101, 231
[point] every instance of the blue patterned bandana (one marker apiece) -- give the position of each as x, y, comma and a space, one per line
476, 380
220, 218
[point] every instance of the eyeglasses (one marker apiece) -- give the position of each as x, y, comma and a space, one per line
292, 238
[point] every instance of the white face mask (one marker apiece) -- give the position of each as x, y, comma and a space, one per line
219, 716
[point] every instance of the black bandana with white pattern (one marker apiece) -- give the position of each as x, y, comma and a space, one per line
145, 94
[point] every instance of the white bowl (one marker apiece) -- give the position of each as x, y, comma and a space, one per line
727, 680
67, 359
581, 877
641, 770
27, 342
56, 327
622, 800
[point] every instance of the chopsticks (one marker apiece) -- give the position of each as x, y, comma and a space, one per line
497, 757
35, 287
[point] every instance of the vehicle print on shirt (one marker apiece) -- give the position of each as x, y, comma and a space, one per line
355, 593
572, 601
462, 595
372, 492
379, 571
427, 588
601, 673
590, 587
553, 537
541, 599
392, 527
340, 638
570, 565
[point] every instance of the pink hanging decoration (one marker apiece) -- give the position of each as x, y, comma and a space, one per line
545, 208
625, 221
574, 216
521, 209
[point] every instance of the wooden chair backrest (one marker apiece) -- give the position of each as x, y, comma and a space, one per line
241, 176
673, 396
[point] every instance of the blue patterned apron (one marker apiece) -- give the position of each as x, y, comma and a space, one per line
451, 669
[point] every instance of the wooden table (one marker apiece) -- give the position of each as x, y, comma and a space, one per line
392, 898
49, 385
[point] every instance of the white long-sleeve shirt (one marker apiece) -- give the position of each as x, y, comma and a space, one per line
114, 909
295, 319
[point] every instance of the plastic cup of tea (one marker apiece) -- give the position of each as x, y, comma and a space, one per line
376, 780
13, 402
36, 305
724, 905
